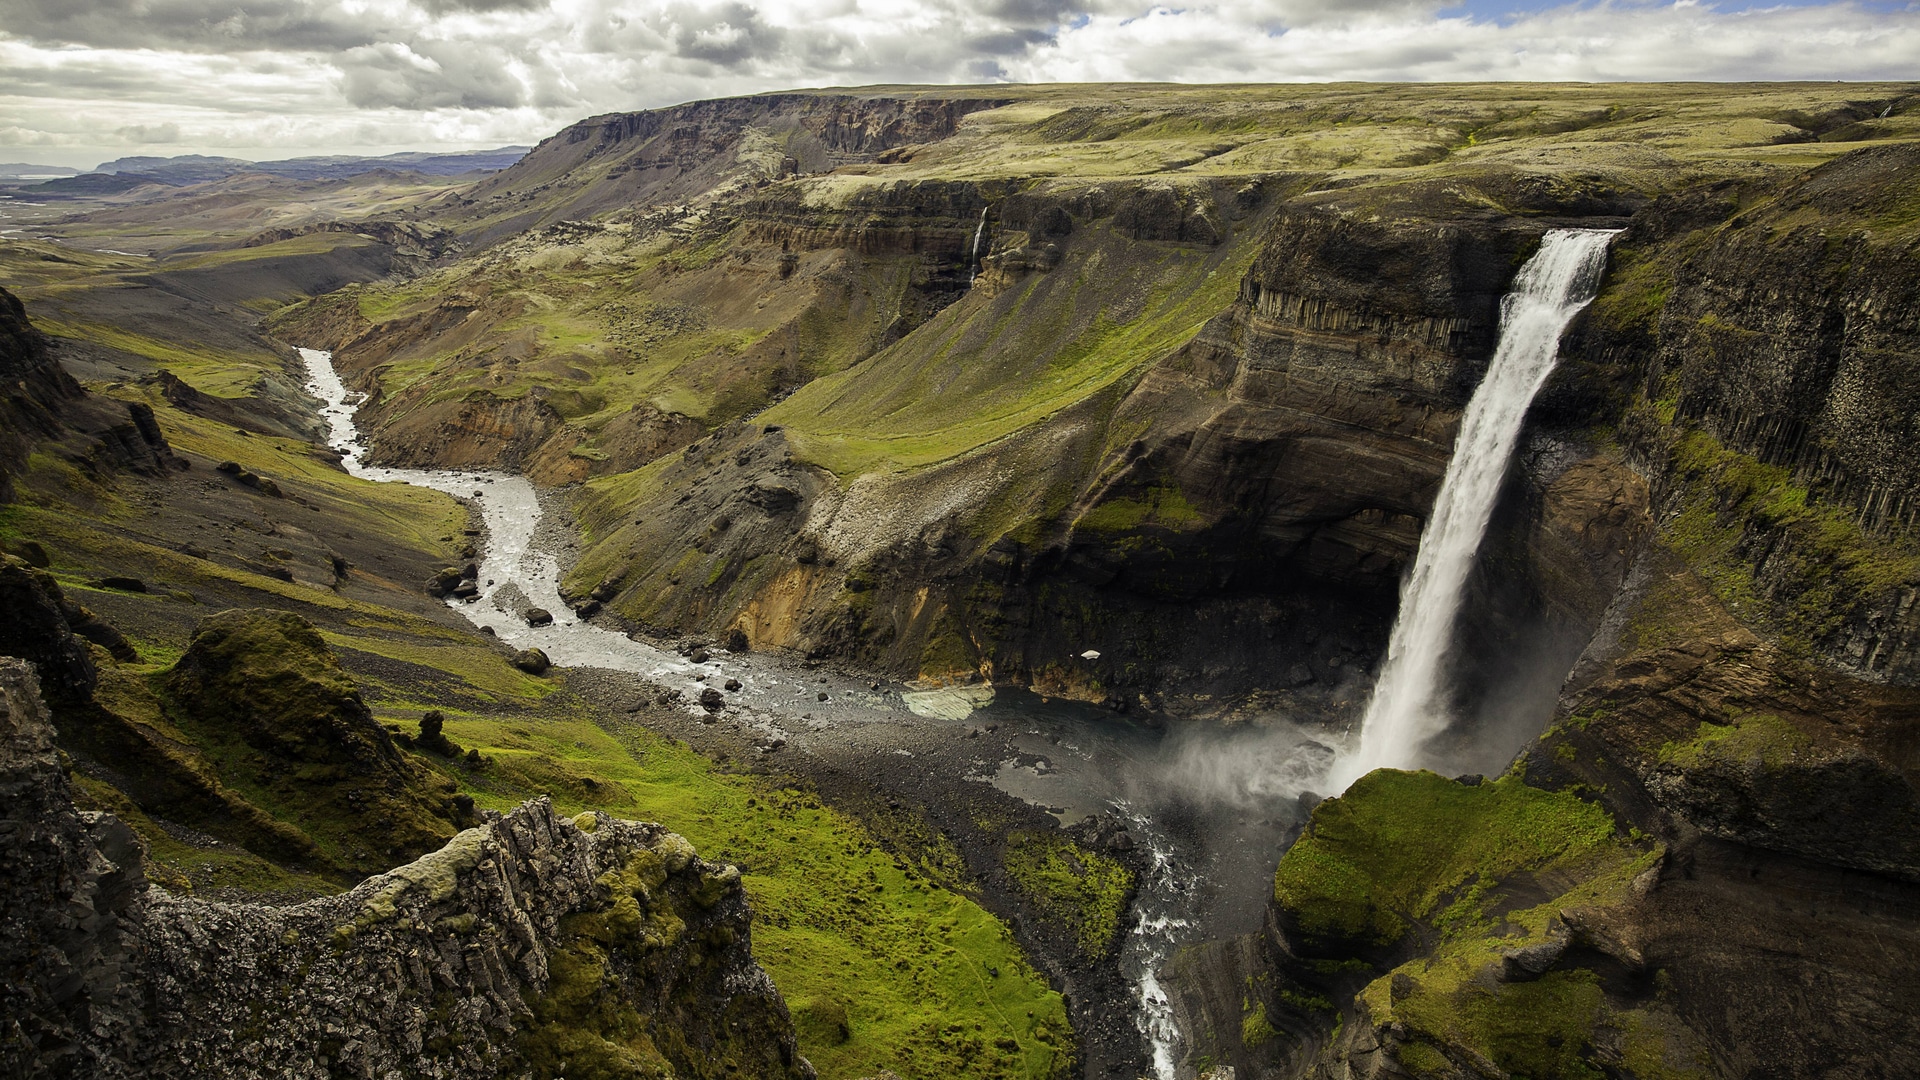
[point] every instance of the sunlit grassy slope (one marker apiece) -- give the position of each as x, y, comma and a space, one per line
988, 366
881, 967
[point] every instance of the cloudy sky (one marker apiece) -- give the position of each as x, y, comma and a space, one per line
86, 80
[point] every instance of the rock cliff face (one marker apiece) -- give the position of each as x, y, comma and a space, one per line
529, 946
1706, 868
1758, 348
40, 402
1234, 516
1727, 795
37, 390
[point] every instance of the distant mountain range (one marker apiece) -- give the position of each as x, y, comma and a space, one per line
18, 170
200, 168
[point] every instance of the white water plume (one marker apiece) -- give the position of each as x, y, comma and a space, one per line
1407, 706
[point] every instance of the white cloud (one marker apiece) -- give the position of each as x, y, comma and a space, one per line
273, 77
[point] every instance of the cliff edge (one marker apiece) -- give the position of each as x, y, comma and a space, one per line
529, 946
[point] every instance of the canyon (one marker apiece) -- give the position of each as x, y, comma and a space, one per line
1036, 468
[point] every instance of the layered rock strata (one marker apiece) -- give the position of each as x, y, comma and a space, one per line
1708, 867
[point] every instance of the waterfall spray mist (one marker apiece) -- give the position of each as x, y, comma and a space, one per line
1407, 706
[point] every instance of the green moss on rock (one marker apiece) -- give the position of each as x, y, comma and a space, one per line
1082, 890
1400, 846
1757, 737
1484, 885
1776, 553
1164, 506
260, 693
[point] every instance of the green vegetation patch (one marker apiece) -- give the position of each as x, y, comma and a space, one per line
1082, 890
1399, 846
987, 367
184, 866
1464, 867
1164, 506
883, 967
262, 697
1824, 564
1755, 737
1255, 1029
1540, 1029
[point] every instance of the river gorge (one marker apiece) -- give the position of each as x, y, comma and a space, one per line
1067, 582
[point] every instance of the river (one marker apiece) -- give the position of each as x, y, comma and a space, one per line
1212, 806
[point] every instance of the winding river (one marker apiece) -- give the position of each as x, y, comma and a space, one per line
1211, 805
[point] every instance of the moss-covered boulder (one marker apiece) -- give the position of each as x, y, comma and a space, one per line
267, 703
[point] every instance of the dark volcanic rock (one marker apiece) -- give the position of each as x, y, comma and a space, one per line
40, 401
35, 391
531, 944
36, 629
444, 582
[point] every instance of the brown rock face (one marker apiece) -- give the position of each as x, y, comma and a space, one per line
1786, 794
530, 943
628, 159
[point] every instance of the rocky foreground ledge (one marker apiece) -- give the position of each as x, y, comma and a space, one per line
532, 945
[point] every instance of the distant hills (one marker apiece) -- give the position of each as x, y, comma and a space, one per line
19, 170
185, 169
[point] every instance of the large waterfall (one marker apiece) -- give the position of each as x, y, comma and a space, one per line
1408, 706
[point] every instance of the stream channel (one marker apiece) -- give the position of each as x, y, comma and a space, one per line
1211, 805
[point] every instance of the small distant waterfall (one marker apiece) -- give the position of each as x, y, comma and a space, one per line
973, 255
1407, 707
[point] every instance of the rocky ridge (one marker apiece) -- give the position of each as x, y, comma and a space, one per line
41, 402
530, 945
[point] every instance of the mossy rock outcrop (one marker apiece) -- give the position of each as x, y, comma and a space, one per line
532, 945
269, 704
1467, 926
1705, 869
